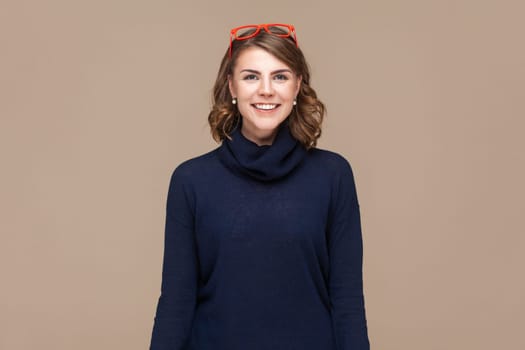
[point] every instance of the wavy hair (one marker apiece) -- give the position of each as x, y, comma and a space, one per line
306, 117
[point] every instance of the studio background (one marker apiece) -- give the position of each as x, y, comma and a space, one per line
101, 100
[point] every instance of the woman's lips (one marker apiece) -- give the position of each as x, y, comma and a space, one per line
265, 106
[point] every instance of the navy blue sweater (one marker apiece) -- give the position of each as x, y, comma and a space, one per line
262, 251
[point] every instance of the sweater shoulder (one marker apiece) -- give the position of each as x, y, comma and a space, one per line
342, 175
331, 160
196, 165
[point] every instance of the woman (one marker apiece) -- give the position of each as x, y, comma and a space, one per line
263, 246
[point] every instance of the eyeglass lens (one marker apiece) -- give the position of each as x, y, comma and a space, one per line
276, 30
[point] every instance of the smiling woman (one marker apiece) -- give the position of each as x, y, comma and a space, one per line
267, 54
265, 91
263, 246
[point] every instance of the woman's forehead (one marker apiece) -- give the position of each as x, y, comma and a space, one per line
256, 58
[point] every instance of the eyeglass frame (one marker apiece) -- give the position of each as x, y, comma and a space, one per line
258, 27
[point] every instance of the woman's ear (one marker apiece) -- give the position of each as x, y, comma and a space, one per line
298, 87
230, 85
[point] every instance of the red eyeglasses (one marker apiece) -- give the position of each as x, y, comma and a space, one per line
251, 30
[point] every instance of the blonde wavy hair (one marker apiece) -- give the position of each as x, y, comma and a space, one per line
306, 117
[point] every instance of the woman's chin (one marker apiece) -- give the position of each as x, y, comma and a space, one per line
260, 133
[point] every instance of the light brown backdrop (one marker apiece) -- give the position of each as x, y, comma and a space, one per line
100, 100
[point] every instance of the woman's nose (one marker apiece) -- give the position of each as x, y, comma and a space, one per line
266, 88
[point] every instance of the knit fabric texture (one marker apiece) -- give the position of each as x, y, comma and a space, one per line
262, 251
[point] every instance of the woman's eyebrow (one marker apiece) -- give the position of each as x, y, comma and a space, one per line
274, 72
250, 71
282, 71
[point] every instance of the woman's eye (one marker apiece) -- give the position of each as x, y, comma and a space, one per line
281, 77
250, 77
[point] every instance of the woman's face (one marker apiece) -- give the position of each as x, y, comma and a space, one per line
265, 89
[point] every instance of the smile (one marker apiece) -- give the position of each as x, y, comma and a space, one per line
265, 106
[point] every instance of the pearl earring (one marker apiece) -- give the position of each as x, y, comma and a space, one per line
234, 100
294, 102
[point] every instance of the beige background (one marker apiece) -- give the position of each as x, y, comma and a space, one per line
100, 100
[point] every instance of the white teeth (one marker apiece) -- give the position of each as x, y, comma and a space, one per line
265, 106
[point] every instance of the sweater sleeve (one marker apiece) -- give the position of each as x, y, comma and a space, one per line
346, 260
176, 304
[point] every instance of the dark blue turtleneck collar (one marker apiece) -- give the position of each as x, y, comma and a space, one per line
266, 162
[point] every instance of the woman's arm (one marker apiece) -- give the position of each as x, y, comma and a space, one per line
346, 260
176, 305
